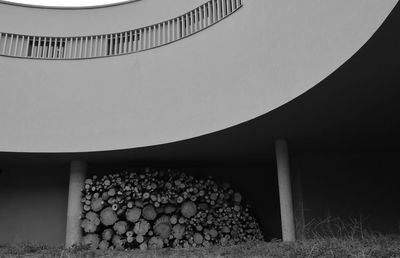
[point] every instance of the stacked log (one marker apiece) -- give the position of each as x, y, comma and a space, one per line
156, 209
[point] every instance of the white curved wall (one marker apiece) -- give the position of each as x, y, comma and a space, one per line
264, 55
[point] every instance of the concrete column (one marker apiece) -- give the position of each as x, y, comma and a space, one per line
285, 190
78, 170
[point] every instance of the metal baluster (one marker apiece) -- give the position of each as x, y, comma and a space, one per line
21, 50
11, 45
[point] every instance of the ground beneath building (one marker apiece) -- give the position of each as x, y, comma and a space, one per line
368, 246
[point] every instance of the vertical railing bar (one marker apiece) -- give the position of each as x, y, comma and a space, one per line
138, 39
179, 28
156, 39
144, 46
207, 13
203, 17
191, 22
75, 45
160, 34
200, 17
33, 54
115, 44
63, 45
96, 45
51, 49
85, 48
209, 16
27, 46
16, 45
11, 45
101, 46
89, 55
182, 24
121, 42
21, 49
41, 47
187, 24
58, 48
150, 42
221, 9
58, 45
54, 49
171, 31
152, 36
81, 45
1, 40
215, 11
197, 19
165, 32
141, 39
168, 32
38, 49
224, 8
47, 48
130, 41
111, 44
182, 33
126, 42
145, 38
107, 45
134, 40
71, 40
64, 48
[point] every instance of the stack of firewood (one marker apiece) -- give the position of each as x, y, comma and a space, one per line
156, 209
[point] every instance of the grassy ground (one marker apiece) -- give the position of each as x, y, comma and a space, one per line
370, 246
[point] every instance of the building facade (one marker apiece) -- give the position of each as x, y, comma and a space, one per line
235, 88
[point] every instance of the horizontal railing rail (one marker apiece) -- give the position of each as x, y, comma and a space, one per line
121, 43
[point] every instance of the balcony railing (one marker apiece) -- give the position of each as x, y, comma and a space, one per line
121, 43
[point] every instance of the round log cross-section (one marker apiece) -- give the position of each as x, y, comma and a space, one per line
78, 171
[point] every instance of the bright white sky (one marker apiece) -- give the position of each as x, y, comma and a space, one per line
67, 2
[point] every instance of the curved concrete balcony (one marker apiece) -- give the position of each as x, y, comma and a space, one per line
258, 59
121, 43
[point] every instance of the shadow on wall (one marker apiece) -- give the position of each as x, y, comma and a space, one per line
33, 200
33, 205
353, 185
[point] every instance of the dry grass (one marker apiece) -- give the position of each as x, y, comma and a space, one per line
329, 237
370, 246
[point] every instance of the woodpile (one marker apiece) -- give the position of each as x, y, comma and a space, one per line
154, 209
